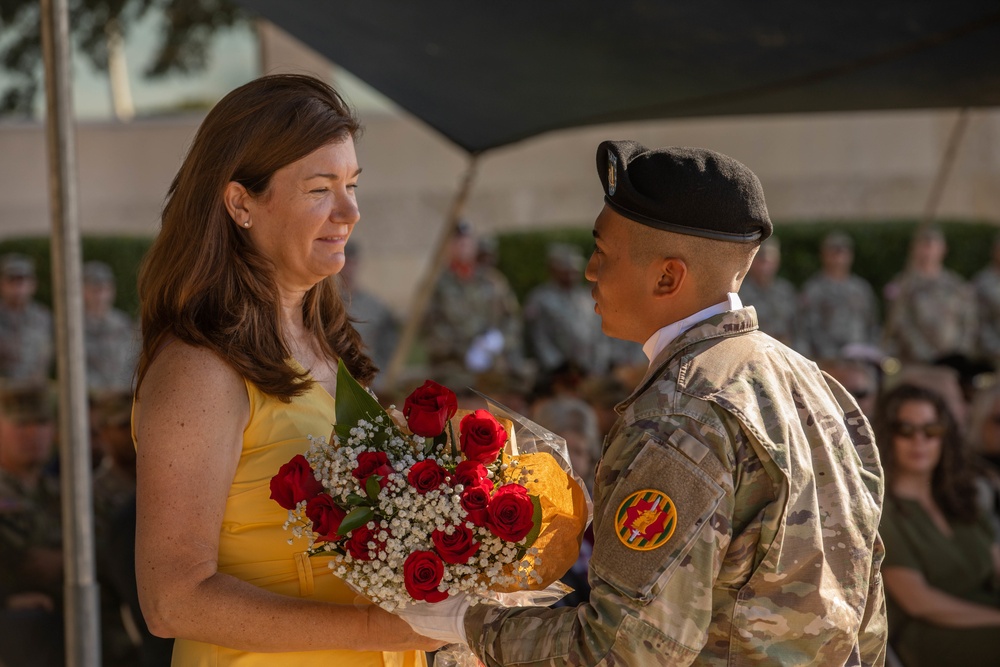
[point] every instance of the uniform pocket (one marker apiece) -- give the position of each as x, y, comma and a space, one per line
651, 518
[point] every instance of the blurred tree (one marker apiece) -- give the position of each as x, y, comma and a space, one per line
185, 36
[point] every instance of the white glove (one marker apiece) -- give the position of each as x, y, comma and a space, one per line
443, 620
482, 350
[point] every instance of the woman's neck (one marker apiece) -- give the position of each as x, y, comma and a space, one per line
914, 487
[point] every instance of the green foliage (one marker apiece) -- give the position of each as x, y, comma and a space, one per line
880, 249
186, 29
122, 253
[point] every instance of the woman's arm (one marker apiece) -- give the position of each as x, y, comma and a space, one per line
921, 600
190, 417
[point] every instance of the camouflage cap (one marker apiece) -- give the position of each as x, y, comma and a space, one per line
565, 256
26, 402
98, 273
838, 240
16, 265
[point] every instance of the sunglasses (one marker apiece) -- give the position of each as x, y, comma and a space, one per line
908, 430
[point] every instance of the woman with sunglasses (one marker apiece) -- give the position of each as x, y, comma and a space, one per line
941, 565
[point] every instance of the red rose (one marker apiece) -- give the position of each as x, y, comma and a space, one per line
326, 516
475, 500
422, 572
294, 483
372, 463
510, 515
357, 543
472, 473
482, 437
456, 548
429, 408
426, 475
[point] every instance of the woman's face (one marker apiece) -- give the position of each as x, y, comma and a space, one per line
303, 221
917, 433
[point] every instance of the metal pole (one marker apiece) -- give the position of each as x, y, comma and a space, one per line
944, 167
83, 646
426, 287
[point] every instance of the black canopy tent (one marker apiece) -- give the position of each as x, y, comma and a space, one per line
488, 74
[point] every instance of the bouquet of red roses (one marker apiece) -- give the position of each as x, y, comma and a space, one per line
442, 504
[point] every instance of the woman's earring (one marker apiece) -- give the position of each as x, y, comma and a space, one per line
247, 224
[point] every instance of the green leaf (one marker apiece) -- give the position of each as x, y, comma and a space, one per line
536, 517
355, 499
354, 404
358, 516
429, 445
343, 432
372, 486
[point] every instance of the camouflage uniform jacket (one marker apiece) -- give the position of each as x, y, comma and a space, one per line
27, 519
561, 326
777, 306
25, 343
835, 313
987, 286
931, 317
462, 309
112, 351
762, 545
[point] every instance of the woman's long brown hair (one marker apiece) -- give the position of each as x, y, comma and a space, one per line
952, 482
202, 281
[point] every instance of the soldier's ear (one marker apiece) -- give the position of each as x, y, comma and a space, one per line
672, 273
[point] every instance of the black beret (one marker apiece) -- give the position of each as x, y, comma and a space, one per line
690, 191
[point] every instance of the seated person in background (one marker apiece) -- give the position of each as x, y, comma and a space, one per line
941, 563
31, 564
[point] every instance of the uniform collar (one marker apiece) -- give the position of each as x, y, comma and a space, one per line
662, 338
722, 325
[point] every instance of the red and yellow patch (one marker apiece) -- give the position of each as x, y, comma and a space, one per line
646, 520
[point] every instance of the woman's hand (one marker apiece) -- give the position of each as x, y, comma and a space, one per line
384, 624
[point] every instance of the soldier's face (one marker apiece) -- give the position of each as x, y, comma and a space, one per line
25, 446
621, 290
16, 291
917, 433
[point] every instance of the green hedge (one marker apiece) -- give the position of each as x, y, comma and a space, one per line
121, 253
880, 249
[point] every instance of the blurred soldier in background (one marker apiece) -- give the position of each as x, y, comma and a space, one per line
25, 325
109, 334
771, 296
559, 317
473, 322
987, 287
931, 310
31, 562
378, 327
836, 308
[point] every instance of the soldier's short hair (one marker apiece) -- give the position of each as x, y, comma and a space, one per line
98, 273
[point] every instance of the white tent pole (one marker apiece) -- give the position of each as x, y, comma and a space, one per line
83, 646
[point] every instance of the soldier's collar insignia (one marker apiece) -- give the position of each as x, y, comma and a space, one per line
612, 173
646, 520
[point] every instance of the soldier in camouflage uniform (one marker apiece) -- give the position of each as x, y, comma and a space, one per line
473, 322
987, 286
836, 307
932, 311
30, 534
25, 325
559, 317
772, 296
110, 335
738, 497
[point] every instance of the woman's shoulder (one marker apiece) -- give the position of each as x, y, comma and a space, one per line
195, 369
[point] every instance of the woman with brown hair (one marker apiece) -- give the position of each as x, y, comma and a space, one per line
941, 565
242, 329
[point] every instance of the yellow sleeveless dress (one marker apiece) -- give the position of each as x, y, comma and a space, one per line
254, 547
